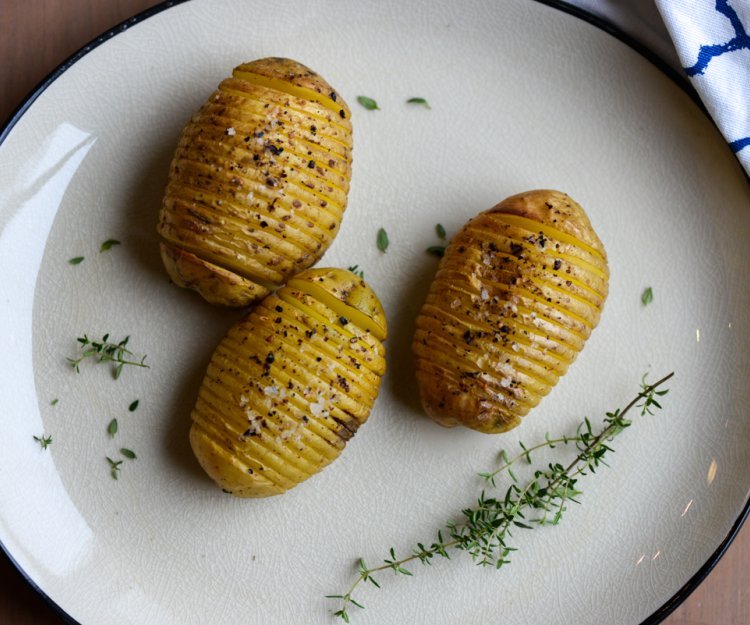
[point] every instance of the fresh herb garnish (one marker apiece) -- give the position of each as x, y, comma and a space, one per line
105, 351
421, 101
357, 271
128, 453
486, 528
54, 402
43, 440
132, 407
647, 296
114, 467
107, 245
112, 428
440, 231
436, 250
383, 241
368, 103
77, 260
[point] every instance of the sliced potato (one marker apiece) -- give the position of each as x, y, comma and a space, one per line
290, 384
516, 295
258, 183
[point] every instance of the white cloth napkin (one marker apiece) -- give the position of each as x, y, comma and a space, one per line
712, 43
712, 38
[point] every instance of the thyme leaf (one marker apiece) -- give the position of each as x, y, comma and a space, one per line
383, 241
368, 103
357, 271
421, 101
647, 296
108, 244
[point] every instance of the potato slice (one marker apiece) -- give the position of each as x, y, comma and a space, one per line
290, 384
258, 183
516, 295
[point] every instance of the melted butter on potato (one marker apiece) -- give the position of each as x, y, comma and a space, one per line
258, 183
290, 384
516, 295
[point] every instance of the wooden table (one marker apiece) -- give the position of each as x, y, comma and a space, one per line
35, 36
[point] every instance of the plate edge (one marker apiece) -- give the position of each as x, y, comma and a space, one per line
681, 81
52, 76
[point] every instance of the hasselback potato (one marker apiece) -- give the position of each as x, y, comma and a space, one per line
258, 183
516, 295
290, 384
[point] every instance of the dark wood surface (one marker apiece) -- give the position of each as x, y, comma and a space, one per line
37, 35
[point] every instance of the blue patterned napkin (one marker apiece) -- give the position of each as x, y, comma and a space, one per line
712, 38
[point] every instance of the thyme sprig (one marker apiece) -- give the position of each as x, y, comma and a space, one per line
114, 467
106, 351
485, 529
44, 440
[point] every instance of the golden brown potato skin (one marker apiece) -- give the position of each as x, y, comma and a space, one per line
290, 384
258, 183
516, 295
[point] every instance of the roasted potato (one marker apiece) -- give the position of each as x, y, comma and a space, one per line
516, 295
290, 384
258, 183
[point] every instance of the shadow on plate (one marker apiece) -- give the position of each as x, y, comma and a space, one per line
401, 379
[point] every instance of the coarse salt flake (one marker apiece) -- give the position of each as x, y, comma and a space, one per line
317, 408
231, 131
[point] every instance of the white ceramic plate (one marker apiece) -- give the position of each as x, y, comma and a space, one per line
523, 96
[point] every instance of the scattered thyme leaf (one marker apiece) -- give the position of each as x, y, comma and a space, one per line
105, 351
114, 467
436, 250
383, 241
368, 103
108, 244
54, 402
134, 405
421, 101
647, 296
357, 271
486, 529
44, 440
112, 428
440, 230
128, 453
76, 260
